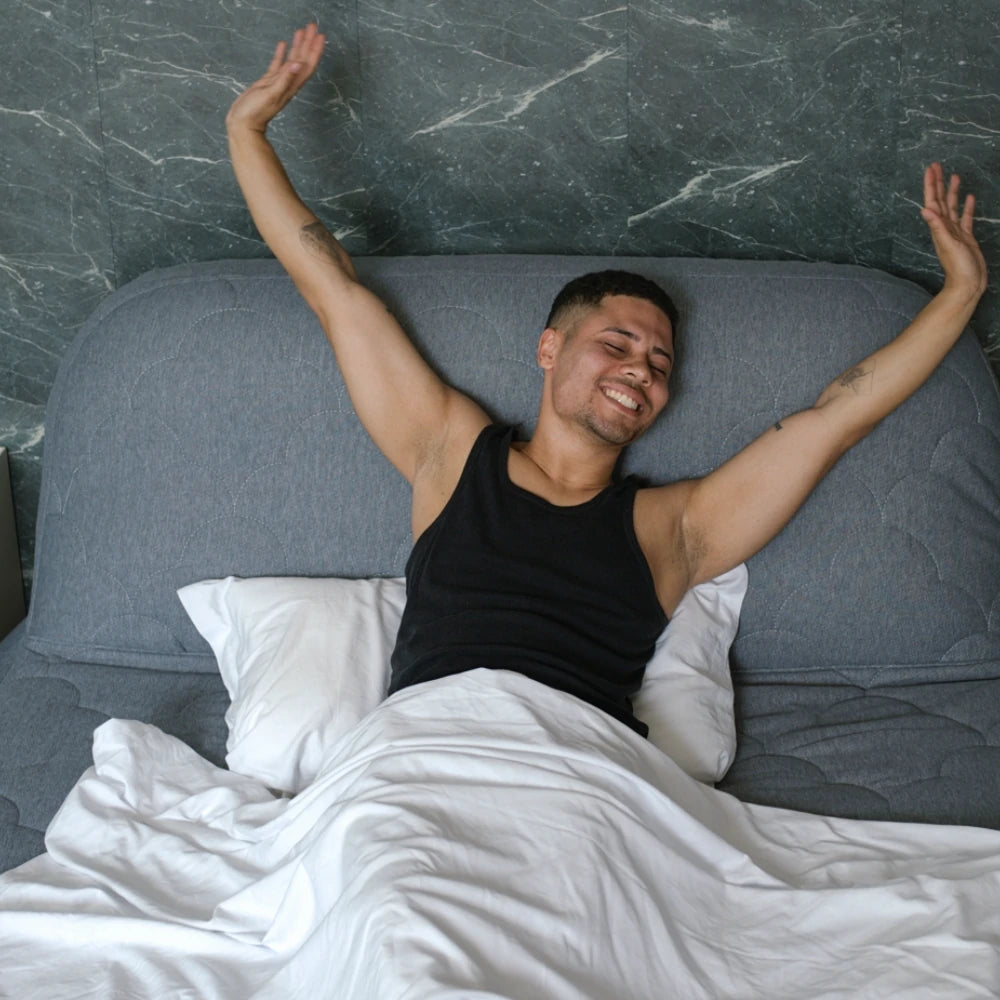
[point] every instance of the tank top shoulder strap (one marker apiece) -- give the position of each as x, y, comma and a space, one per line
486, 453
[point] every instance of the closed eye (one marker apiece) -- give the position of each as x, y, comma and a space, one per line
658, 351
618, 349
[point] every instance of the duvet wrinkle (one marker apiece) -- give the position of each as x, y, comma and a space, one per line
436, 857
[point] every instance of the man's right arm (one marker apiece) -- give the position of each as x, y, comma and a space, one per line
415, 418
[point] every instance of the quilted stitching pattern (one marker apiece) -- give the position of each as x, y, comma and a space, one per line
157, 402
928, 753
48, 713
199, 427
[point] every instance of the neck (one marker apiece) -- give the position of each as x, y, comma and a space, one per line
571, 463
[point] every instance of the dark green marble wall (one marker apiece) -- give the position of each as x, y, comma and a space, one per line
749, 128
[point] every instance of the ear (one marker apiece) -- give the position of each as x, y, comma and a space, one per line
548, 347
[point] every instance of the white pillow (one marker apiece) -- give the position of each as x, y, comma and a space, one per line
686, 697
305, 659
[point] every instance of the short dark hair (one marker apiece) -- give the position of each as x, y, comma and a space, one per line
589, 290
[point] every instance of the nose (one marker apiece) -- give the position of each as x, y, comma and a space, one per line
637, 368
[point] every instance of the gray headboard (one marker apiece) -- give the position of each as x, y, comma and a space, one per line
199, 428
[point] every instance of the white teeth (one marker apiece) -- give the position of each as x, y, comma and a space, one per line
620, 397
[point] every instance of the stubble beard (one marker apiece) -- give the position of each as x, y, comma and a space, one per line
604, 427
609, 432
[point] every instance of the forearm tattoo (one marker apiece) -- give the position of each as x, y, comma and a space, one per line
318, 240
858, 379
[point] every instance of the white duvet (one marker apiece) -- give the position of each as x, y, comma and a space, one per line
483, 836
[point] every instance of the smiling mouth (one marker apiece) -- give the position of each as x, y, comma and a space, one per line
620, 397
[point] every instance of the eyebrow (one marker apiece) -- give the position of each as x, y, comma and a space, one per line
635, 336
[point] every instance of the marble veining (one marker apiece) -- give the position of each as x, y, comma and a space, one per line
738, 128
723, 182
517, 104
494, 126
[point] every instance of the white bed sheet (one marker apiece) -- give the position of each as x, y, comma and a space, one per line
483, 837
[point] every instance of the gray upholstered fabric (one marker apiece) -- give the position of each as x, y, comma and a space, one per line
199, 427
48, 712
925, 752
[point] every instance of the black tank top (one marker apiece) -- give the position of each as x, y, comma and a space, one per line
505, 579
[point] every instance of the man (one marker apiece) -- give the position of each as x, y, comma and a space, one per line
606, 354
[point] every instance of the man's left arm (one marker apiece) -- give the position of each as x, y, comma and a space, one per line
736, 510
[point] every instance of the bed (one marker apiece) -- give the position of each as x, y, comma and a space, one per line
201, 774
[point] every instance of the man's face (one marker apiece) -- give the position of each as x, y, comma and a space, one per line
609, 372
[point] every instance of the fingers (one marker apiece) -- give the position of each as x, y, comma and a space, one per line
295, 52
304, 53
277, 58
952, 197
930, 187
939, 195
289, 69
935, 197
968, 213
942, 201
307, 48
933, 212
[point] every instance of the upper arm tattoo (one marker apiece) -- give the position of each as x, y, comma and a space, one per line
318, 240
858, 379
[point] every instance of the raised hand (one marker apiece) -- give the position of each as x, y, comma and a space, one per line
956, 247
285, 76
